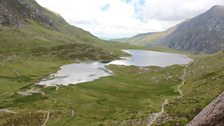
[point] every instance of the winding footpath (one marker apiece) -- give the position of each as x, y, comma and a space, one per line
47, 118
57, 88
7, 111
153, 118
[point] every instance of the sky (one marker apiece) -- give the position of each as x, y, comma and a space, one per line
110, 19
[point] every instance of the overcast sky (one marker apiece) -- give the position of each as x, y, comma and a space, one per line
124, 18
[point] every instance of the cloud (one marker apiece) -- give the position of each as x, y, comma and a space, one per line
177, 9
105, 7
123, 18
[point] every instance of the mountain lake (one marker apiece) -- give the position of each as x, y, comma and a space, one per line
89, 71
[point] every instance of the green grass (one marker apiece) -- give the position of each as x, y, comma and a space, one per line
16, 74
22, 40
204, 82
33, 50
132, 93
20, 74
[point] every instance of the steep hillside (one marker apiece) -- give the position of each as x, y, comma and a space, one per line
25, 26
203, 33
18, 12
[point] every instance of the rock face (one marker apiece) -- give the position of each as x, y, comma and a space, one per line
7, 17
204, 33
19, 12
212, 115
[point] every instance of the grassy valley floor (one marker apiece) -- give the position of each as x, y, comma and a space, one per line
204, 82
35, 42
131, 94
128, 97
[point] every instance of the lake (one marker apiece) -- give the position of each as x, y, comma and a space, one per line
89, 71
143, 58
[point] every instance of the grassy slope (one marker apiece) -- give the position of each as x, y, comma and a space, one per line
21, 40
144, 40
40, 27
20, 69
118, 100
33, 50
104, 101
132, 93
204, 82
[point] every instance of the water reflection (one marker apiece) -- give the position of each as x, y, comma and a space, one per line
144, 58
90, 71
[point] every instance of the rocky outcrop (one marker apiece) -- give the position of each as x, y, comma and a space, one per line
19, 12
7, 17
212, 115
204, 33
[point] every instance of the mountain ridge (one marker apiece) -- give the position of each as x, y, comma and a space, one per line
200, 34
203, 33
18, 12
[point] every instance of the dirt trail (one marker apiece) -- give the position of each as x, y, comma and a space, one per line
7, 111
153, 118
47, 118
183, 78
57, 88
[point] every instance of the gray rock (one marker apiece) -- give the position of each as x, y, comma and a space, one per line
20, 12
212, 115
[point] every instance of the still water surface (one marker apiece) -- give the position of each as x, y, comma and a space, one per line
89, 71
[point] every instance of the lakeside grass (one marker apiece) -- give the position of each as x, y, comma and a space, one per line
113, 100
204, 82
31, 51
16, 74
128, 97
132, 93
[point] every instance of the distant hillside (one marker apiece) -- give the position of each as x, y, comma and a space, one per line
204, 33
26, 27
144, 39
